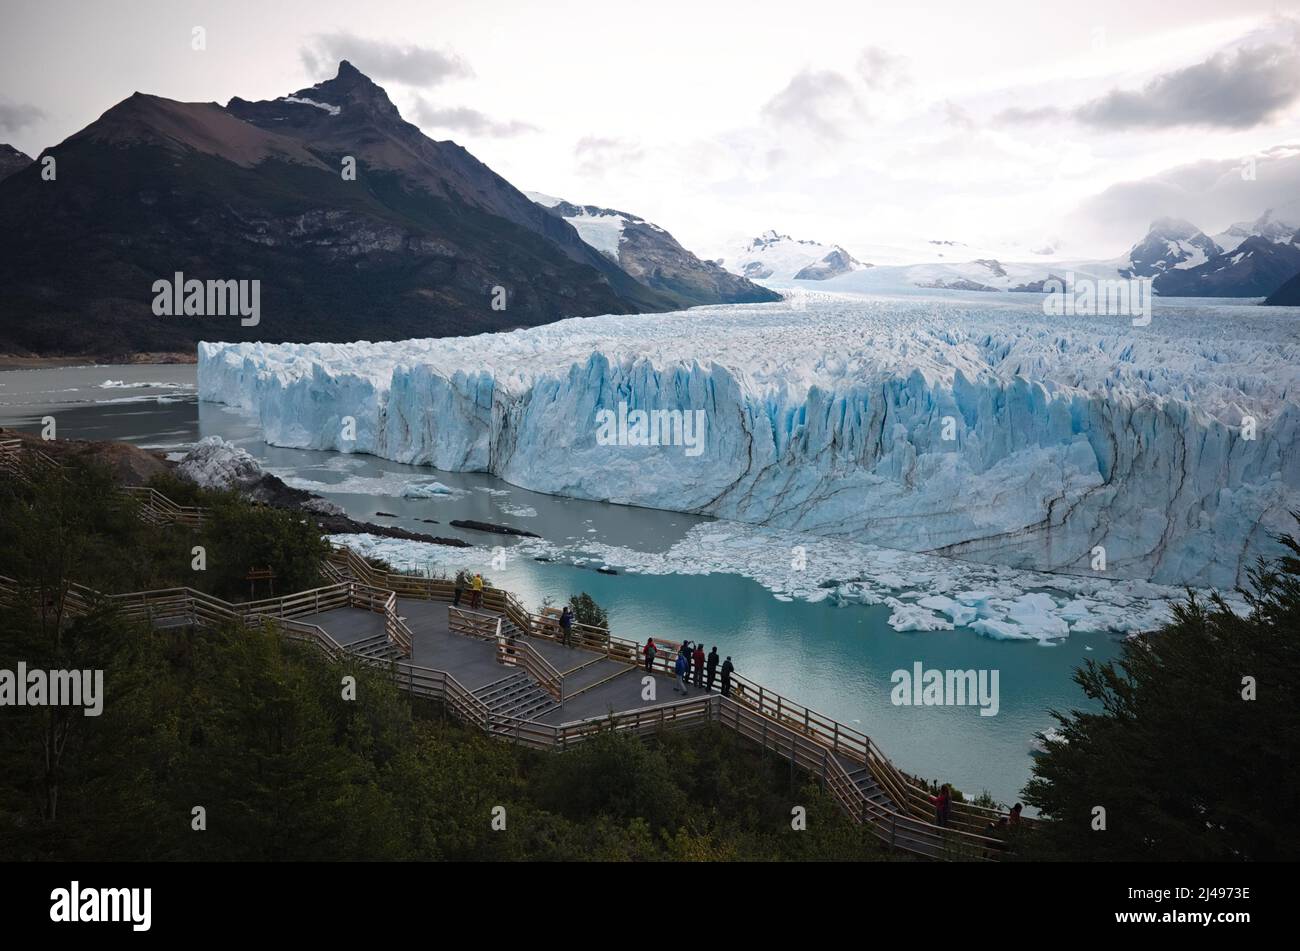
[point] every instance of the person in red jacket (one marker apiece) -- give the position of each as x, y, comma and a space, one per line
699, 665
650, 651
942, 805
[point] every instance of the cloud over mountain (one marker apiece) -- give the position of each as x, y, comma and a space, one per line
408, 64
467, 120
16, 115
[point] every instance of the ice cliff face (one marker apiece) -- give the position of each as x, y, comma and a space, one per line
985, 431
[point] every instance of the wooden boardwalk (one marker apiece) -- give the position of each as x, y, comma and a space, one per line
504, 669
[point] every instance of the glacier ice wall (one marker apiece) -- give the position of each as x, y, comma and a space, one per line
1066, 434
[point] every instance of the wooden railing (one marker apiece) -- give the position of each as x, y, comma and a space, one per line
312, 634
399, 635
515, 652
473, 623
198, 607
160, 510
898, 829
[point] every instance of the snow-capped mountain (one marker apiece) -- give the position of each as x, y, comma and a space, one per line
779, 257
1249, 259
1269, 225
1256, 267
653, 257
1170, 244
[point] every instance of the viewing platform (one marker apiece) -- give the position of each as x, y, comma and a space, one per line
512, 673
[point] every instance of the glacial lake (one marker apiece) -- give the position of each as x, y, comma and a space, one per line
835, 659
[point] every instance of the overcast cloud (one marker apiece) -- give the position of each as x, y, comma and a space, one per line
999, 124
382, 61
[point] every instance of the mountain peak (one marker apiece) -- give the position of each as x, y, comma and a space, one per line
352, 84
12, 160
333, 107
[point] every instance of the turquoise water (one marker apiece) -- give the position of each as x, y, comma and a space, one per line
836, 660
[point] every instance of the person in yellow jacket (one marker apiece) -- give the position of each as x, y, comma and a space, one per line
476, 589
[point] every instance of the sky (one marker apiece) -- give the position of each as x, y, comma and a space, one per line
1012, 127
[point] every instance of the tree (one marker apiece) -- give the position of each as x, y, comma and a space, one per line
1192, 754
240, 536
587, 611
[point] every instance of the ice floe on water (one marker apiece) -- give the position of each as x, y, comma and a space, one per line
123, 385
924, 592
519, 511
392, 484
430, 490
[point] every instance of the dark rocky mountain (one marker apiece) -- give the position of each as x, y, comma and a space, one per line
1288, 295
1255, 260
655, 258
11, 160
1256, 267
414, 246
956, 284
1169, 243
1040, 286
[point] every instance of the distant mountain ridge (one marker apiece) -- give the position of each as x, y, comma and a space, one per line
653, 256
1249, 259
779, 257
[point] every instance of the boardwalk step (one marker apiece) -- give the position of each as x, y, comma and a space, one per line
516, 695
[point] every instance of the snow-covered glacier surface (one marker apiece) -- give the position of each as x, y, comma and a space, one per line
983, 430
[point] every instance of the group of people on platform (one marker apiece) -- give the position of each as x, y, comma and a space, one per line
943, 812
692, 666
474, 583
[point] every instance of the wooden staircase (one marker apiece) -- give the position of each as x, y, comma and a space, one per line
518, 696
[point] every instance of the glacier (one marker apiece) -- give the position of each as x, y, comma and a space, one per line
978, 429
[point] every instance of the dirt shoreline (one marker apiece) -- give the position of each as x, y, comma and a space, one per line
11, 361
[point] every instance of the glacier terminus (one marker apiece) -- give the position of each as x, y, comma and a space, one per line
985, 431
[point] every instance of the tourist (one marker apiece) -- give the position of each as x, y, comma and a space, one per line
476, 592
460, 588
1014, 817
942, 805
650, 651
682, 665
727, 668
713, 666
566, 625
699, 665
